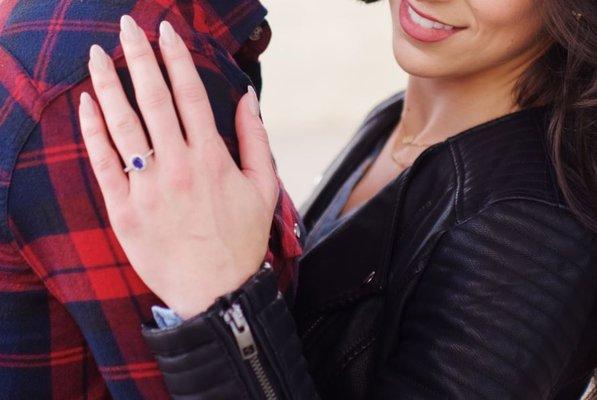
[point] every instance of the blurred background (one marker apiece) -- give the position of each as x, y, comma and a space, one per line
328, 64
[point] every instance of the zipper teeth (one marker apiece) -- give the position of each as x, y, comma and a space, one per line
267, 388
236, 321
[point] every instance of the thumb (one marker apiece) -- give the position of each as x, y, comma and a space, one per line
255, 152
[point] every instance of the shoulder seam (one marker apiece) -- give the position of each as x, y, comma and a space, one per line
505, 200
459, 197
20, 64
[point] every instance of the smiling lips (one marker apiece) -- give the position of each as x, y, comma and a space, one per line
422, 27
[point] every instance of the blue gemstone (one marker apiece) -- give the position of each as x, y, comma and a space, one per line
138, 163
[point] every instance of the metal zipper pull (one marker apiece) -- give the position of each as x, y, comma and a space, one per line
241, 330
235, 319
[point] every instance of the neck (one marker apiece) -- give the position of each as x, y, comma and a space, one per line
435, 109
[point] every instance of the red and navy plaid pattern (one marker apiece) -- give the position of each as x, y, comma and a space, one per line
71, 306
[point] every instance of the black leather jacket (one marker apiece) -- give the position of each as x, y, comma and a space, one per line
466, 277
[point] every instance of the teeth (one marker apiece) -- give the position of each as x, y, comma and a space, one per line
426, 23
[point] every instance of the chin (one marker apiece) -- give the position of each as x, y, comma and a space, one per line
426, 63
416, 63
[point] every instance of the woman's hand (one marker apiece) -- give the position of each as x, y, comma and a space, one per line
192, 224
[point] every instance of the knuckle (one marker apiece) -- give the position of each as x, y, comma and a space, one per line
275, 193
178, 176
276, 186
105, 83
104, 163
259, 134
155, 97
179, 54
208, 144
180, 181
126, 123
262, 136
89, 129
149, 202
190, 93
138, 54
212, 153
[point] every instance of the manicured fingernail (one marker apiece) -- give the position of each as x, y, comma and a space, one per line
167, 33
86, 104
98, 57
254, 102
130, 29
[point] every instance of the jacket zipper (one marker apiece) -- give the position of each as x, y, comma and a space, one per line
235, 319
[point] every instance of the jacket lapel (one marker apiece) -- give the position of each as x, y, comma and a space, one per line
362, 242
382, 118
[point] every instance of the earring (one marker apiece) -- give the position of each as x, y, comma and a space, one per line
577, 15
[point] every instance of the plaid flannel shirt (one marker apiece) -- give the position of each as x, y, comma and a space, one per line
71, 306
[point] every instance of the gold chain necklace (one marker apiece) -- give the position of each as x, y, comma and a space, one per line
408, 140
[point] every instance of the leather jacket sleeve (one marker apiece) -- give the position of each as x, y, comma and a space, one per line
243, 347
497, 312
499, 309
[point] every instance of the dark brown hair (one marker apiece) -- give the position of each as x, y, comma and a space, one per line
564, 77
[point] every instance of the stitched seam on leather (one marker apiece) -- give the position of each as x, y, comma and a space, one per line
558, 277
362, 339
552, 251
456, 377
413, 216
344, 300
230, 361
499, 357
477, 214
214, 384
530, 304
355, 351
509, 335
458, 198
457, 224
494, 202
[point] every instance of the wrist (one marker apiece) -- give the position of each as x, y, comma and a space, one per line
198, 298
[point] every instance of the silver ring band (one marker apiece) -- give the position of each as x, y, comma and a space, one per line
138, 162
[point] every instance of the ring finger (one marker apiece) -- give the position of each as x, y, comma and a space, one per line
122, 121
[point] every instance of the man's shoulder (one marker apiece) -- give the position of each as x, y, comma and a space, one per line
50, 39
44, 47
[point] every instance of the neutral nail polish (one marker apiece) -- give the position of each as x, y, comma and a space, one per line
167, 33
130, 29
98, 57
254, 102
86, 104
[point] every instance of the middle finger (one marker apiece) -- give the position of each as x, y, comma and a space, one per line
151, 91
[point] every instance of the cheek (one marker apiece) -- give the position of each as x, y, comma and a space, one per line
499, 32
505, 29
517, 19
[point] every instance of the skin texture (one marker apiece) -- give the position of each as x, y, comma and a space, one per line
192, 213
214, 219
456, 83
468, 78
